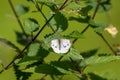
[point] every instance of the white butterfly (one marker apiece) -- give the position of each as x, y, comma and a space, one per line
61, 45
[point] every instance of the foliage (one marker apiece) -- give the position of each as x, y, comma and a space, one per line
32, 58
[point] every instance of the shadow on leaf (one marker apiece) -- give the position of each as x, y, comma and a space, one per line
90, 53
95, 77
47, 69
21, 75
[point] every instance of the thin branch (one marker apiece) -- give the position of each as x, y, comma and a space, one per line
114, 52
94, 14
21, 53
17, 17
38, 8
76, 66
62, 6
43, 78
84, 76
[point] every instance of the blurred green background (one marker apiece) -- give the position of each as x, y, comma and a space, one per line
8, 26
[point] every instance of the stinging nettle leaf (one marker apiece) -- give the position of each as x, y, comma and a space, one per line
21, 75
33, 49
94, 76
74, 6
74, 34
22, 9
105, 5
47, 69
31, 25
50, 37
73, 53
50, 3
59, 23
84, 11
98, 26
101, 59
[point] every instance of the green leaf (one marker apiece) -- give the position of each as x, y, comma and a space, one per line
100, 59
47, 69
40, 55
65, 64
105, 5
21, 75
74, 34
94, 76
33, 49
74, 6
84, 11
73, 53
31, 25
89, 53
56, 68
7, 51
21, 38
81, 19
59, 23
50, 3
50, 37
98, 26
21, 9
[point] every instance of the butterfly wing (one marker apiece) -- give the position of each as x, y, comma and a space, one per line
60, 45
65, 45
55, 45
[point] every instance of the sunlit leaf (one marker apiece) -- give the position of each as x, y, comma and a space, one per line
101, 59
73, 53
33, 49
21, 9
50, 3
31, 25
98, 27
74, 6
40, 54
74, 34
50, 37
59, 23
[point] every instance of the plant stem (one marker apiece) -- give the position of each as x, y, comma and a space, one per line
21, 53
17, 17
94, 14
114, 52
61, 7
38, 8
76, 66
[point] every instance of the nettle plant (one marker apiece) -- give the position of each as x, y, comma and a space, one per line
56, 15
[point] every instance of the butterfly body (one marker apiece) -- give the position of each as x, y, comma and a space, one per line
60, 45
